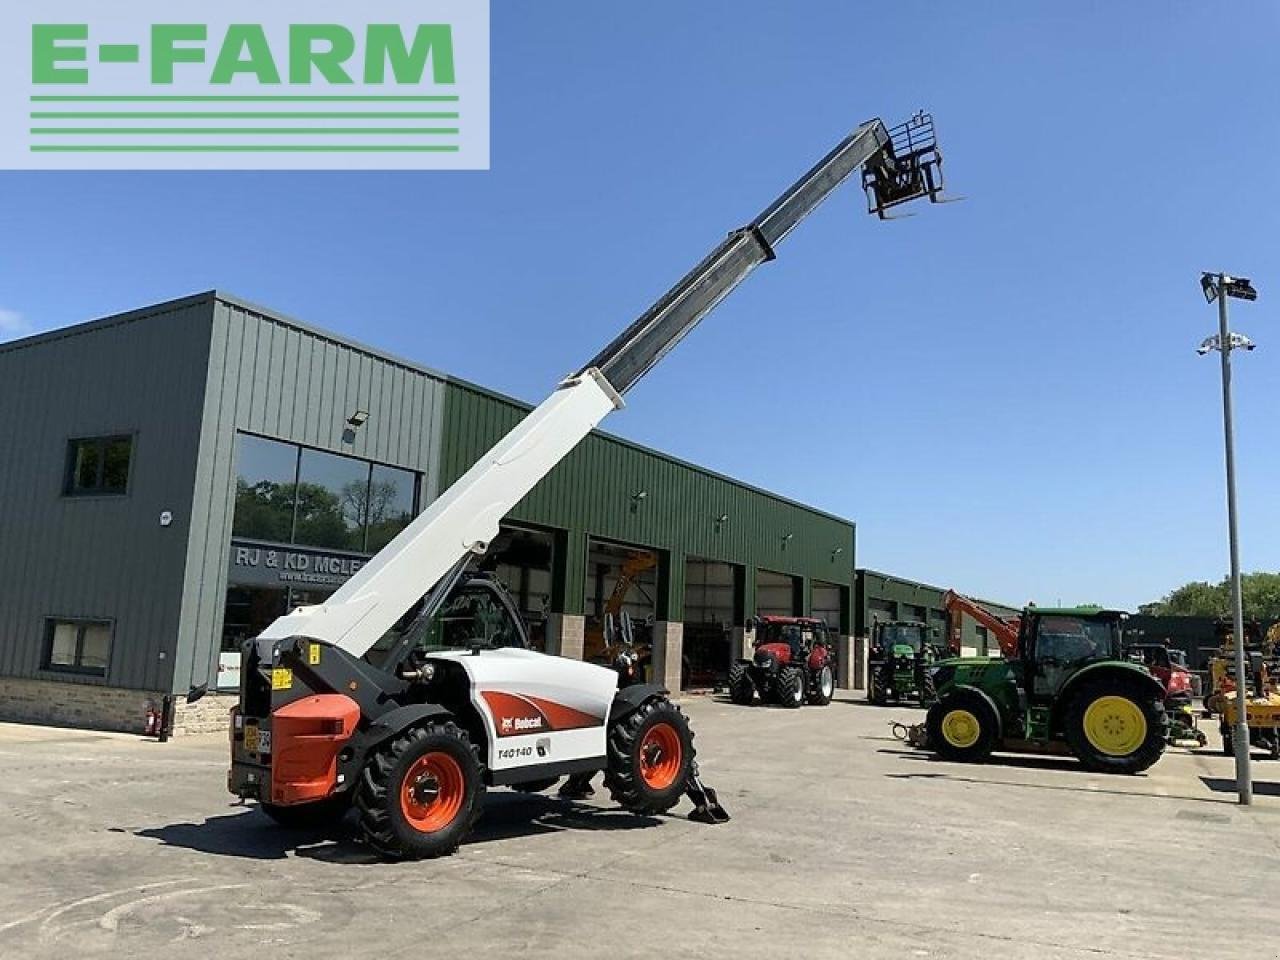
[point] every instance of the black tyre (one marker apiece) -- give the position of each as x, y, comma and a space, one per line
742, 690
788, 686
1116, 726
535, 786
963, 727
309, 816
823, 685
928, 692
875, 692
650, 755
420, 792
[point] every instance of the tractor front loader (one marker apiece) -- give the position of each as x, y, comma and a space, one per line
410, 691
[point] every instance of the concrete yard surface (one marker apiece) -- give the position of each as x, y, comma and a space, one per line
844, 843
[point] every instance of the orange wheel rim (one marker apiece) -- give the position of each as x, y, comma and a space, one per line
432, 792
661, 755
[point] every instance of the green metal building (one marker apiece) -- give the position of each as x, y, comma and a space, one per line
884, 597
178, 476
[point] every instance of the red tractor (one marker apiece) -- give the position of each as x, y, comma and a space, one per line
795, 661
1169, 666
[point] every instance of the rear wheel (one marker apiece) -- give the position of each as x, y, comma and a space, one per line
962, 726
420, 793
309, 816
650, 755
1116, 728
824, 686
789, 684
741, 690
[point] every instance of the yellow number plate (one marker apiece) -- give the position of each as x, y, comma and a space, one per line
251, 739
281, 678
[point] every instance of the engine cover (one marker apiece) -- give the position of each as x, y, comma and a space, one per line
537, 709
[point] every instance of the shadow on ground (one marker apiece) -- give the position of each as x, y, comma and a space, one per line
1264, 788
1037, 763
250, 834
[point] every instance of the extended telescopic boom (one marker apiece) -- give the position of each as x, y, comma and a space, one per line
897, 166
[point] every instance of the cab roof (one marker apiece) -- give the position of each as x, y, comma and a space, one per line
1085, 610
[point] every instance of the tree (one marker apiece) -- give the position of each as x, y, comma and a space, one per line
1260, 593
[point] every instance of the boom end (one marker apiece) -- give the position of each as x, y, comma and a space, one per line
910, 167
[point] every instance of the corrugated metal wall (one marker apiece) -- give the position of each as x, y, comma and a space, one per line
591, 493
142, 374
902, 599
273, 377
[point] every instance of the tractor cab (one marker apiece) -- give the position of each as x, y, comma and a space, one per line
899, 660
1055, 644
790, 639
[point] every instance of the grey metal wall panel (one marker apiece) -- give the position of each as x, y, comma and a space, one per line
142, 374
271, 377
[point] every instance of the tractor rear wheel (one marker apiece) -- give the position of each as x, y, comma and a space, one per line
962, 726
309, 816
1116, 727
824, 686
788, 682
742, 690
650, 755
420, 792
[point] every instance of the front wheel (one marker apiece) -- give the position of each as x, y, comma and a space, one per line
420, 793
963, 727
1116, 729
789, 684
824, 686
742, 690
650, 755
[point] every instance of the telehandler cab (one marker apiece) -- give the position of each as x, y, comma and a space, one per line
410, 690
1067, 688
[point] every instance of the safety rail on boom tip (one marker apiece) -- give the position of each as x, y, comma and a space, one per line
913, 170
897, 166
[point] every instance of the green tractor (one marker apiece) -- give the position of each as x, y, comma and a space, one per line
1066, 689
898, 662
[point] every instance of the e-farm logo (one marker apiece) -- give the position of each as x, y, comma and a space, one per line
246, 85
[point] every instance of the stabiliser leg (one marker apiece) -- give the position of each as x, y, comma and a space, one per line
706, 808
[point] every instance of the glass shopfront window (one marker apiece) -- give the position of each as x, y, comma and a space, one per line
392, 496
266, 487
305, 521
333, 498
295, 495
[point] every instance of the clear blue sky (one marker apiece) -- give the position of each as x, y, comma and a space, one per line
1003, 392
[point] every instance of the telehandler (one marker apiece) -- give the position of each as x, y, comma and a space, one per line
410, 690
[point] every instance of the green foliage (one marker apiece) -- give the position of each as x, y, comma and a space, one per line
1261, 594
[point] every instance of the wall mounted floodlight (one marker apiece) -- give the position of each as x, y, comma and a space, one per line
1237, 341
723, 518
836, 552
637, 498
358, 419
1220, 284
